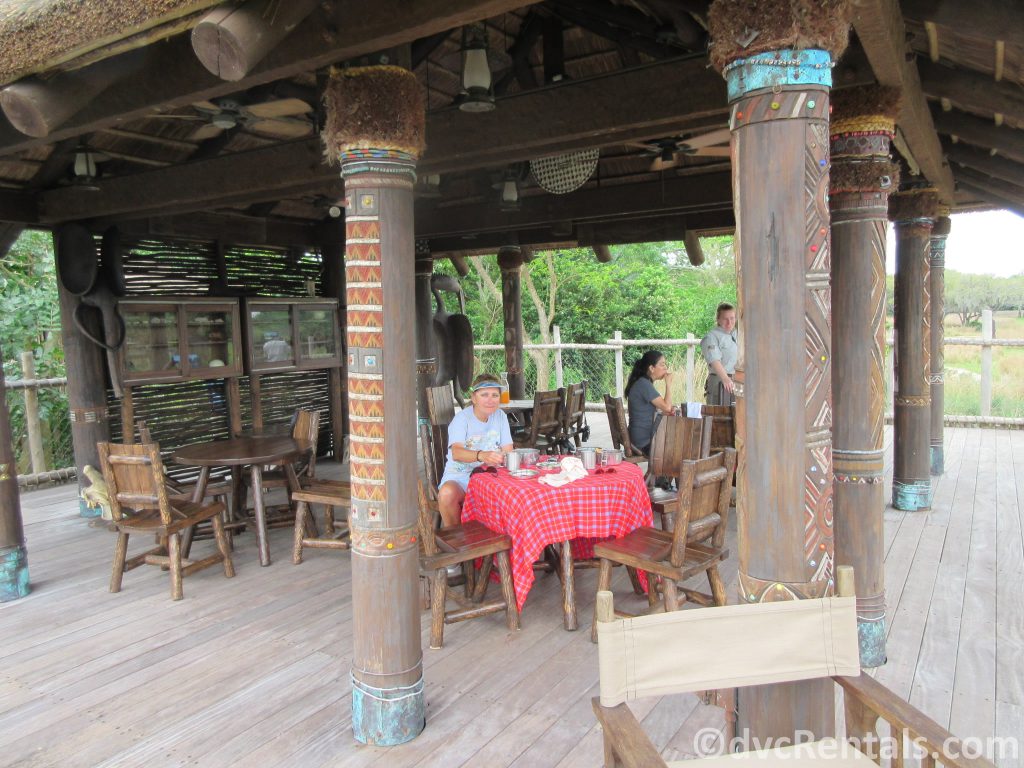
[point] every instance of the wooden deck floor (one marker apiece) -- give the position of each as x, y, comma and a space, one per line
254, 670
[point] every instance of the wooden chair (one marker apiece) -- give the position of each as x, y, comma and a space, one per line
723, 427
676, 439
305, 425
546, 422
620, 434
697, 543
574, 429
463, 545
136, 482
333, 495
808, 639
440, 412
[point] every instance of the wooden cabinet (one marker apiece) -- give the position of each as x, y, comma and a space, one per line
291, 334
178, 339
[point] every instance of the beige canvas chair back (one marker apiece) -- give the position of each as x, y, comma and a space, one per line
726, 647
135, 479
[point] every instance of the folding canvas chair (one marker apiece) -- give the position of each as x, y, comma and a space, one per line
753, 644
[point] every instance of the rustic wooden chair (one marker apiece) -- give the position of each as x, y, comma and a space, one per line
305, 425
140, 503
545, 423
723, 427
462, 545
676, 439
440, 412
333, 495
620, 434
808, 639
574, 429
697, 543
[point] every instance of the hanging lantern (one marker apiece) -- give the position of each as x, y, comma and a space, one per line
476, 71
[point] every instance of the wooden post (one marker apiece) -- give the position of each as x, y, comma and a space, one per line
913, 212
510, 260
862, 175
986, 362
779, 113
937, 376
690, 361
332, 251
14, 581
618, 365
37, 458
426, 352
381, 108
556, 337
87, 392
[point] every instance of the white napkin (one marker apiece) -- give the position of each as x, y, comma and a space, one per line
693, 410
572, 469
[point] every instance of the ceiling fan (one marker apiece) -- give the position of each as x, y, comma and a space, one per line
281, 118
669, 152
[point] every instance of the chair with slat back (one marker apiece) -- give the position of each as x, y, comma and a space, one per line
758, 644
305, 425
440, 412
696, 544
334, 496
723, 428
140, 503
574, 416
545, 423
620, 434
462, 545
676, 439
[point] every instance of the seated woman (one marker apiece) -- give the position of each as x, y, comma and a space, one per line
477, 435
644, 400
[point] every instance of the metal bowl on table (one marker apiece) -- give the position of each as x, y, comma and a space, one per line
528, 457
611, 456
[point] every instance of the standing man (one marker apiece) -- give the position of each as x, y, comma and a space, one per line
720, 352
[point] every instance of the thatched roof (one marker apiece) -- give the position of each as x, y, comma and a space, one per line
41, 35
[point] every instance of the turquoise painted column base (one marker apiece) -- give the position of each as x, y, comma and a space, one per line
912, 496
84, 510
385, 717
13, 573
871, 637
938, 459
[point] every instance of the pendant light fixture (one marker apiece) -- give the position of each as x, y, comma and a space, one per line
509, 191
477, 95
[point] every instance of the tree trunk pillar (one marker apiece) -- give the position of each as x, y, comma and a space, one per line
779, 114
375, 123
937, 376
862, 175
510, 260
87, 391
14, 581
913, 212
426, 351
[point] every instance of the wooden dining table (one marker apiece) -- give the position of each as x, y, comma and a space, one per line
255, 452
600, 506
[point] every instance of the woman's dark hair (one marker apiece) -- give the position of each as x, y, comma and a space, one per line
640, 367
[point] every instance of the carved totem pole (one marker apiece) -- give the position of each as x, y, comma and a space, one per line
937, 375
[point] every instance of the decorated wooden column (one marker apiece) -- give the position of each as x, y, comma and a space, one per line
86, 373
510, 260
375, 126
13, 555
426, 352
913, 212
936, 376
860, 180
779, 113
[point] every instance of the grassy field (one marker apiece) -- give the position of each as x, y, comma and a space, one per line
963, 368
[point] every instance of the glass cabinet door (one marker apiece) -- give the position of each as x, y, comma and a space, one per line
211, 337
318, 342
271, 333
151, 347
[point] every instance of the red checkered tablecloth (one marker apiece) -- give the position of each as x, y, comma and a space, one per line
600, 506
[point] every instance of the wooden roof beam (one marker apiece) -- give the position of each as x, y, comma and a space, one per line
979, 160
990, 19
973, 91
1008, 142
1012, 193
991, 197
170, 76
882, 33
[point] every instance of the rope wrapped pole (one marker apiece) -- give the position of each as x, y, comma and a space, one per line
375, 127
862, 176
778, 83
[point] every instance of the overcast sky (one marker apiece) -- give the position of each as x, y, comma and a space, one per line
989, 243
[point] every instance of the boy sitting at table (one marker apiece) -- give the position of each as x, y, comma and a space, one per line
477, 436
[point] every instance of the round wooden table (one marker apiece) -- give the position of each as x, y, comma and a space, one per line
254, 452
